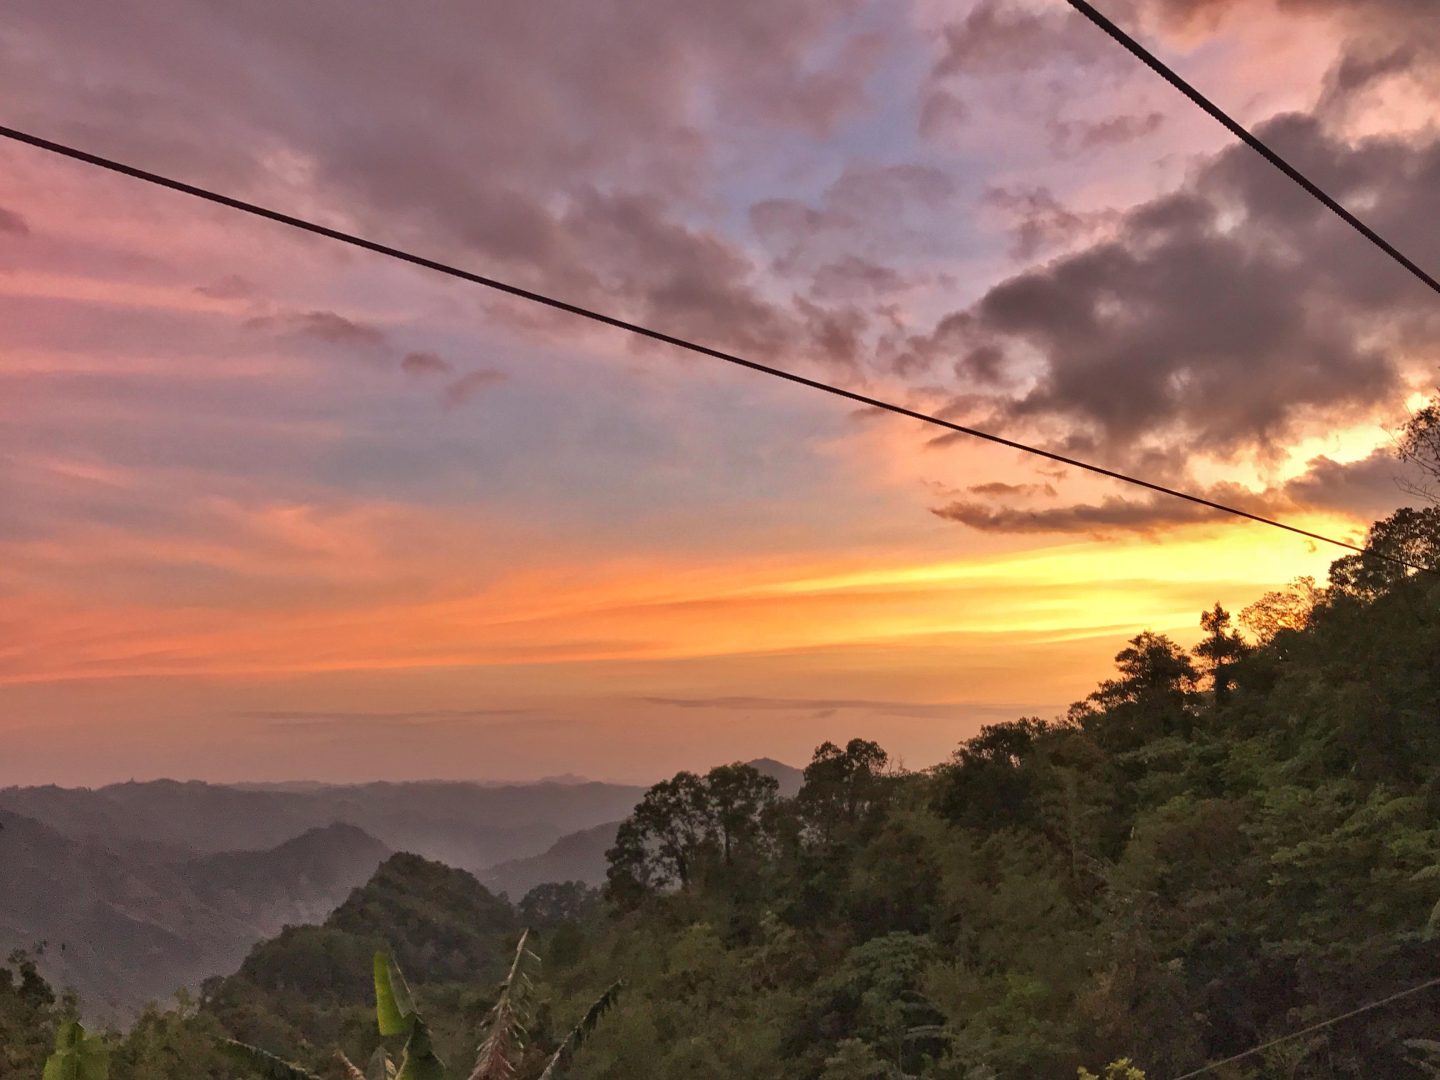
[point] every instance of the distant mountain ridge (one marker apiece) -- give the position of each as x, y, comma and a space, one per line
134, 890
580, 856
466, 825
122, 930
299, 881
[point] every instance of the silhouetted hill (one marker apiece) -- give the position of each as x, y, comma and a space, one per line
467, 825
577, 857
787, 776
123, 930
442, 925
119, 931
300, 881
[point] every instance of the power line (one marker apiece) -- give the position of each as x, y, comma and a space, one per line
1308, 1030
659, 335
1242, 133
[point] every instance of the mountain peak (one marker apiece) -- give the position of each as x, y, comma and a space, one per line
787, 776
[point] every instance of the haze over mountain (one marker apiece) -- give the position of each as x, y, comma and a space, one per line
178, 880
462, 824
580, 856
122, 930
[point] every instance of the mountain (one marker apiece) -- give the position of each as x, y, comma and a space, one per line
577, 857
122, 930
440, 923
119, 931
466, 825
299, 881
787, 776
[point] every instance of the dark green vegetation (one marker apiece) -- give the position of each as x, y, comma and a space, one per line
1213, 849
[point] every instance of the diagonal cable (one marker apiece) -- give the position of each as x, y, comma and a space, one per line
1308, 1030
640, 330
1155, 64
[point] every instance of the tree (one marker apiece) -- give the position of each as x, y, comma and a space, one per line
1407, 539
1153, 696
556, 903
30, 1014
841, 787
1287, 609
657, 845
1419, 445
1116, 1070
987, 785
738, 799
1220, 649
688, 825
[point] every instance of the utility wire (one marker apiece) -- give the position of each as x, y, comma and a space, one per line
1309, 1030
1242, 133
659, 335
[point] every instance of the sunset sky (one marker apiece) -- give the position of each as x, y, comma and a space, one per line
271, 508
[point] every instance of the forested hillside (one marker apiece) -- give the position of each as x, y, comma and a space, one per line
1213, 849
123, 928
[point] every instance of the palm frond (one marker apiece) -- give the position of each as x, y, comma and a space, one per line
348, 1067
380, 1066
262, 1063
505, 1038
581, 1031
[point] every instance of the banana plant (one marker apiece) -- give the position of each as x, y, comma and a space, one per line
77, 1056
498, 1057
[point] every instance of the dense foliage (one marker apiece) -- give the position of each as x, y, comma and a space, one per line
1215, 848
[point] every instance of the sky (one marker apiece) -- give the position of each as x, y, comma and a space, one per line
271, 508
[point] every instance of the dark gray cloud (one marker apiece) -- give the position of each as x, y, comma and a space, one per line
1222, 317
565, 146
13, 223
1110, 516
425, 363
851, 277
324, 326
1000, 36
1039, 221
1000, 489
229, 287
1071, 136
466, 388
1374, 13
865, 204
1368, 489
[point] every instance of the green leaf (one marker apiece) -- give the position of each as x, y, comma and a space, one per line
420, 1062
394, 1007
77, 1056
1432, 924
261, 1063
